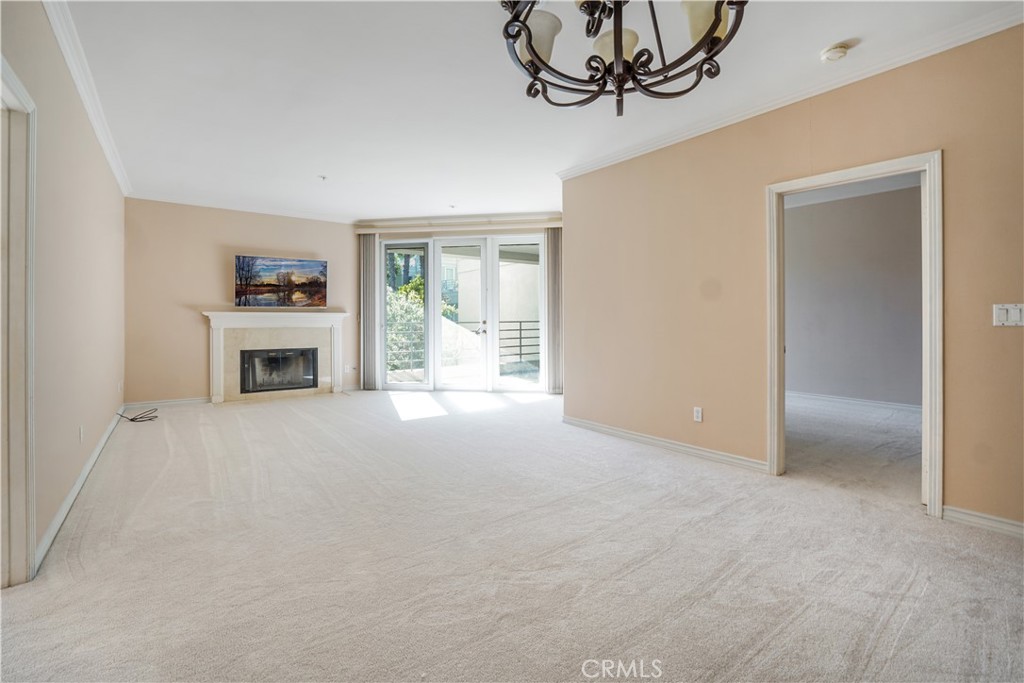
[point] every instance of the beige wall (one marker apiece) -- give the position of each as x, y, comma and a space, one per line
180, 262
79, 277
665, 263
853, 297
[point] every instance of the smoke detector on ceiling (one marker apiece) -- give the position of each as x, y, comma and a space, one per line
835, 52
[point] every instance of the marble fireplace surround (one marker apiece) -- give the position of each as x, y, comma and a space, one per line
271, 320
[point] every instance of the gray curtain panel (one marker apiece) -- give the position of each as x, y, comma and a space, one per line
553, 249
368, 311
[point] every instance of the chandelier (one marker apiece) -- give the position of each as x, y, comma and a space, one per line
617, 67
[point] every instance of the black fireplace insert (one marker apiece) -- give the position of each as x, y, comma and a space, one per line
278, 369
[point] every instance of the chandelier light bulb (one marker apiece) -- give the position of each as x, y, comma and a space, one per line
701, 14
544, 26
604, 45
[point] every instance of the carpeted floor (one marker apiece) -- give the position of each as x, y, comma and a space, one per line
873, 450
326, 538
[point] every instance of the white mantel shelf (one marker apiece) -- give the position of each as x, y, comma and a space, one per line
222, 320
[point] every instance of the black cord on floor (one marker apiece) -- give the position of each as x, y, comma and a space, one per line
144, 416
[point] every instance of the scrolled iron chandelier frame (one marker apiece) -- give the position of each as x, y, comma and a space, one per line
529, 34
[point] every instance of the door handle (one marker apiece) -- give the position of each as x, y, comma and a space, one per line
480, 329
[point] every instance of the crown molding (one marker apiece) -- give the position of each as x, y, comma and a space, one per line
479, 222
64, 30
992, 22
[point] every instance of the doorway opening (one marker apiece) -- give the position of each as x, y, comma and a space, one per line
465, 313
906, 171
853, 336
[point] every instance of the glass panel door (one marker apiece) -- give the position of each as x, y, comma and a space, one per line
405, 315
474, 321
462, 321
520, 309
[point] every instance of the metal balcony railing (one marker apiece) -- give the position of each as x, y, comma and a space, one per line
518, 342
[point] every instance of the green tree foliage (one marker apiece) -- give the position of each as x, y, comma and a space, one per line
405, 329
414, 286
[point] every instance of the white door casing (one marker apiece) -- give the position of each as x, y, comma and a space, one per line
930, 166
18, 301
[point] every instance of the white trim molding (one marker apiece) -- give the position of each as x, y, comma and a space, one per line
62, 513
485, 223
1000, 525
930, 166
678, 447
221, 320
15, 94
21, 485
59, 14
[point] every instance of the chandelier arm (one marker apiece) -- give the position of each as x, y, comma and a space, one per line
711, 69
536, 74
716, 48
555, 85
708, 65
657, 33
596, 12
516, 29
540, 87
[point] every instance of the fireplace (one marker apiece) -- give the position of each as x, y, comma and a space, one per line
278, 369
233, 331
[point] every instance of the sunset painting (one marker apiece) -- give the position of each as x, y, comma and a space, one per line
268, 281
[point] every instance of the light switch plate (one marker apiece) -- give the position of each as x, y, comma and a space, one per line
1008, 315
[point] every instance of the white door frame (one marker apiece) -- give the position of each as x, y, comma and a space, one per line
494, 247
930, 166
382, 362
20, 564
437, 350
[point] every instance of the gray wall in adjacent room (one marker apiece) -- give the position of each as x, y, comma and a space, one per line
853, 297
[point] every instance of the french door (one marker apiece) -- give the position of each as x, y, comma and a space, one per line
463, 313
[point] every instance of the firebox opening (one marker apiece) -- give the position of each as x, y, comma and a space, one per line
278, 369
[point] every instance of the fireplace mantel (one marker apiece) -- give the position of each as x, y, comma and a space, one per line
221, 320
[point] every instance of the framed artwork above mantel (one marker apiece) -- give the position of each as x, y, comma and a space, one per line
272, 282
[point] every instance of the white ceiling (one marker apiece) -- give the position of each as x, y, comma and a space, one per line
414, 108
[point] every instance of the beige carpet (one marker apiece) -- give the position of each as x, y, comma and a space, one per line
325, 538
872, 449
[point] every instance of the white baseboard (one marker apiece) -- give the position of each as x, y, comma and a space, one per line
854, 401
980, 519
144, 405
65, 507
687, 449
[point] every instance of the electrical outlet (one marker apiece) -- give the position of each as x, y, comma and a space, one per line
698, 414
